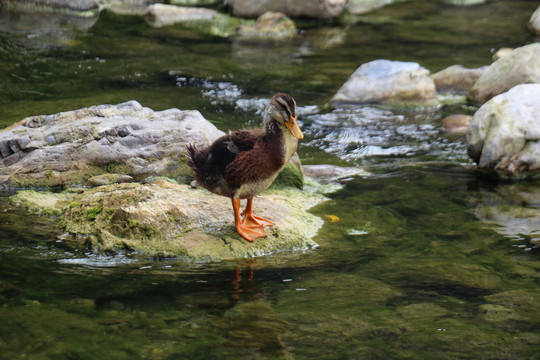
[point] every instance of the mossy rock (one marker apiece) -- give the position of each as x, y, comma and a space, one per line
291, 175
43, 203
172, 220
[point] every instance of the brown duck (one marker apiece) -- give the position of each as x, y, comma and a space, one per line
244, 163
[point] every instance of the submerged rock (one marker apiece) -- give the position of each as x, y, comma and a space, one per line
504, 135
270, 25
167, 219
332, 172
497, 313
422, 311
520, 66
387, 82
534, 22
457, 77
358, 7
456, 124
512, 210
159, 15
82, 7
70, 147
521, 300
320, 9
40, 31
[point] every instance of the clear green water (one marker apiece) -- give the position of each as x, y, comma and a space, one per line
428, 261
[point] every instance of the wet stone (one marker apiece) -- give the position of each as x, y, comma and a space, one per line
497, 313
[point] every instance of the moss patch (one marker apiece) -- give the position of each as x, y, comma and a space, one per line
171, 220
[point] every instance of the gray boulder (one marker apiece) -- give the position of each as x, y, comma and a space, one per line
534, 22
320, 9
387, 82
504, 135
520, 66
358, 7
73, 6
72, 146
329, 173
158, 15
127, 7
464, 2
457, 78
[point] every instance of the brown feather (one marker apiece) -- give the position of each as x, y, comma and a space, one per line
243, 163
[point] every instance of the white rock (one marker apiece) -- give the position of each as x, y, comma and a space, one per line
504, 134
363, 6
520, 66
388, 82
321, 9
534, 22
159, 15
457, 77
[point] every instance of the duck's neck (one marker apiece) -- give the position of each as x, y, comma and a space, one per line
285, 144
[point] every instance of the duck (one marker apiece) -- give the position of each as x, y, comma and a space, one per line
243, 163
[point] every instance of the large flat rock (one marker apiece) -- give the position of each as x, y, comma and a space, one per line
72, 146
170, 220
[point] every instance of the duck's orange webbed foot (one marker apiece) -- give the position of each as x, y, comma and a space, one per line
253, 220
250, 233
248, 229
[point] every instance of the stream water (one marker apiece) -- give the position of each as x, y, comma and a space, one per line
429, 259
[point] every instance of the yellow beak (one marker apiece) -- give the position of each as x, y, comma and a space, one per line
293, 127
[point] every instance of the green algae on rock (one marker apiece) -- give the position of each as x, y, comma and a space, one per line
171, 220
43, 203
270, 25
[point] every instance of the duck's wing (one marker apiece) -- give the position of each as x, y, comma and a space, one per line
250, 156
242, 140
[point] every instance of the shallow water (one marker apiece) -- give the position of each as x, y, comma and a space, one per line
429, 259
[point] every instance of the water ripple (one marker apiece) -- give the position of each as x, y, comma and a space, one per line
358, 133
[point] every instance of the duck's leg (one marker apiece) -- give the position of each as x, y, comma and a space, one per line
248, 232
254, 220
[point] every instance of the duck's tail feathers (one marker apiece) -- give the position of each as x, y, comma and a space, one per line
191, 155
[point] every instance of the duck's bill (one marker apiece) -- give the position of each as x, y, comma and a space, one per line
293, 127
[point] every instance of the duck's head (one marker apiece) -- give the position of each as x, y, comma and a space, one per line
281, 111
